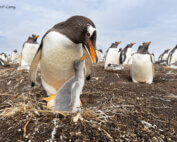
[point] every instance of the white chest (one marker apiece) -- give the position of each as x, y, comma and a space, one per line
28, 53
174, 57
142, 68
111, 57
58, 56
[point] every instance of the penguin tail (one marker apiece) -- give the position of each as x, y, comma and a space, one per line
34, 66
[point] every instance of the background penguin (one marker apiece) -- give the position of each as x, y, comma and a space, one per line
163, 56
29, 50
126, 53
60, 47
3, 57
111, 55
99, 53
68, 96
172, 57
14, 56
142, 68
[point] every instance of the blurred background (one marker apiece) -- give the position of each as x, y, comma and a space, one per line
116, 20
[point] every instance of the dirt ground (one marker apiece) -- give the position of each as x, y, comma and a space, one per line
114, 109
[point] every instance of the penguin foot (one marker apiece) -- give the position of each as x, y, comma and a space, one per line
51, 97
50, 101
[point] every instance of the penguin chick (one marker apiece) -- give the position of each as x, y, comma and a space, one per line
68, 96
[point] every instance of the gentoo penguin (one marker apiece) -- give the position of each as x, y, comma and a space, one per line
60, 47
126, 53
142, 68
172, 57
68, 96
163, 56
14, 57
29, 50
99, 53
3, 56
111, 55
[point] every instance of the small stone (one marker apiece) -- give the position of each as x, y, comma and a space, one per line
154, 139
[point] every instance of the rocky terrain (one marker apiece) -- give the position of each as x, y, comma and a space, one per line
113, 109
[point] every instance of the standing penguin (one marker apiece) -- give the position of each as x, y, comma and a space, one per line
126, 53
29, 50
68, 96
60, 47
99, 53
14, 57
142, 68
3, 57
172, 57
111, 55
163, 56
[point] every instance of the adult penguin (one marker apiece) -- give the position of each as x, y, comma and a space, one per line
60, 47
29, 50
126, 53
111, 55
163, 56
142, 68
172, 57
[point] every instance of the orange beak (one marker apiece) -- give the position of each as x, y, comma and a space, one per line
92, 52
37, 36
83, 57
148, 43
133, 43
119, 42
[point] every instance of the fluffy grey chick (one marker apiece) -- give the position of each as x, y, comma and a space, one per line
68, 96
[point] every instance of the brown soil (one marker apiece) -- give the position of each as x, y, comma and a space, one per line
114, 109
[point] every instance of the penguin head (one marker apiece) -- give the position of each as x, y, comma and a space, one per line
100, 50
35, 37
144, 47
114, 45
82, 30
15, 51
130, 45
79, 64
90, 42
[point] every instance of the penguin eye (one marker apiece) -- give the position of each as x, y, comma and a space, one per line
88, 34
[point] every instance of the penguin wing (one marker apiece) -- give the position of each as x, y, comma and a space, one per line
74, 92
34, 65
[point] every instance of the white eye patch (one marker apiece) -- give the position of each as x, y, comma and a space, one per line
90, 29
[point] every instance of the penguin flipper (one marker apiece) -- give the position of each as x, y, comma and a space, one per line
34, 66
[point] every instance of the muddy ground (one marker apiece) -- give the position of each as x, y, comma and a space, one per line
114, 109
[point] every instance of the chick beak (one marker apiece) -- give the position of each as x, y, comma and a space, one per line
133, 43
83, 57
37, 36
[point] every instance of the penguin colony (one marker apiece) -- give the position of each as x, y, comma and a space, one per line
67, 53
